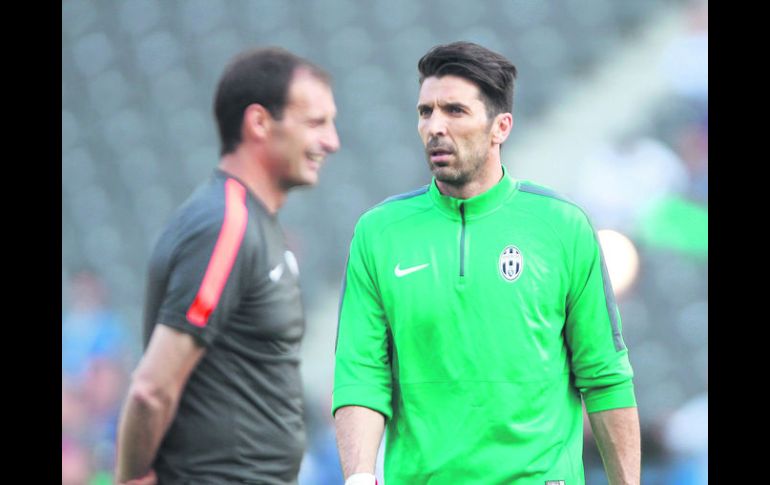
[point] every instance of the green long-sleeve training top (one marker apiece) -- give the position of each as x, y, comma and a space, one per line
475, 326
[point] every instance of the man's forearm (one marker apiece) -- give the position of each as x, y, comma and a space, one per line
359, 432
619, 441
156, 388
143, 424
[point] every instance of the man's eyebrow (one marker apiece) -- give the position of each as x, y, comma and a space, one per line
452, 104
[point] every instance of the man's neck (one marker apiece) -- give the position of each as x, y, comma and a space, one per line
247, 168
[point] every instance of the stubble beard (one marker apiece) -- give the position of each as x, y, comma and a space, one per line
462, 172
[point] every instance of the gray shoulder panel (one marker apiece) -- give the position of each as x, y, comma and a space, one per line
539, 190
407, 195
609, 294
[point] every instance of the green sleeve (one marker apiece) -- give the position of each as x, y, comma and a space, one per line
599, 358
362, 372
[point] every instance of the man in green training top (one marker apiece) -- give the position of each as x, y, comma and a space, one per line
477, 312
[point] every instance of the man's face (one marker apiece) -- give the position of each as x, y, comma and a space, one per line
454, 128
306, 134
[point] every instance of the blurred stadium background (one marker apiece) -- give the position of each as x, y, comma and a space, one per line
610, 108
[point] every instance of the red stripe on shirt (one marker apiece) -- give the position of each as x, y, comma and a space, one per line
223, 257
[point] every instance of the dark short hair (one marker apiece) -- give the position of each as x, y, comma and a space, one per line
490, 71
261, 75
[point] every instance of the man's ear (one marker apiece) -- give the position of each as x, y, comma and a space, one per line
501, 127
257, 122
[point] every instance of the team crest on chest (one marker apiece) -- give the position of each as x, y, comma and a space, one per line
511, 263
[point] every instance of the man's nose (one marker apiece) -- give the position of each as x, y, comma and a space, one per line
331, 140
436, 125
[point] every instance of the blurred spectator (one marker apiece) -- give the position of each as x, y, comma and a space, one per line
685, 60
90, 329
625, 177
96, 355
74, 415
75, 463
673, 222
686, 438
678, 220
321, 463
692, 145
103, 392
104, 386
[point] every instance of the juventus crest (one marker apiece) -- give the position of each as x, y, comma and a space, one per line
511, 263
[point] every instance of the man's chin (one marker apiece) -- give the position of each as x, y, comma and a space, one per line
440, 171
446, 175
305, 180
307, 183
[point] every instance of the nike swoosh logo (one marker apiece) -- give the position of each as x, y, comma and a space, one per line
403, 272
275, 273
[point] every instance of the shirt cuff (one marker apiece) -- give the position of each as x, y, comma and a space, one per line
619, 395
367, 396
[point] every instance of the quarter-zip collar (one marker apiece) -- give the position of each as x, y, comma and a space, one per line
478, 205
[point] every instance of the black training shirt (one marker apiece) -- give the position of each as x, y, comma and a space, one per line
222, 273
